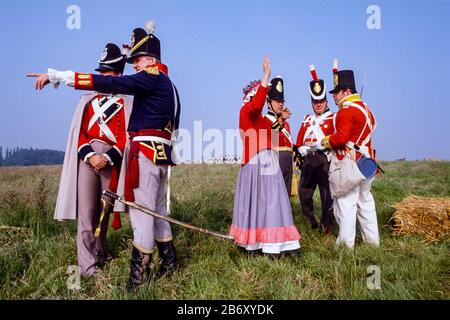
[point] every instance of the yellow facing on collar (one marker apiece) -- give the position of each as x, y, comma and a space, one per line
152, 70
348, 100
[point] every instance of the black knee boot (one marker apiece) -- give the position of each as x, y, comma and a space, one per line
140, 268
167, 256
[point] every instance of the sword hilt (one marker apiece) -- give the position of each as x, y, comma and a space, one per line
111, 195
97, 232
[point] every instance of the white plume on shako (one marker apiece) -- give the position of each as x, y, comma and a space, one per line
150, 26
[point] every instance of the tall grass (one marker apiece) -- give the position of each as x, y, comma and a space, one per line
35, 251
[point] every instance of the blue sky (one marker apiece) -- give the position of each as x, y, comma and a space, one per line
213, 48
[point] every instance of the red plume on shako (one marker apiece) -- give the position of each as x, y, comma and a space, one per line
316, 86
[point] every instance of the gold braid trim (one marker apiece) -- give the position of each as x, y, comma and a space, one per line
140, 43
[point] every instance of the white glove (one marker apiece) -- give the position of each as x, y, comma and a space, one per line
318, 145
303, 150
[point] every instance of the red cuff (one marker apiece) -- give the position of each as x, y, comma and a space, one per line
83, 81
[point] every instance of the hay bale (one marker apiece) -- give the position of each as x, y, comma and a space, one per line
428, 217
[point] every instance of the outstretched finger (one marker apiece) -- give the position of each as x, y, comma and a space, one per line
33, 75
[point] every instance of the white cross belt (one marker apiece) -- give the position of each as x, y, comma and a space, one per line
98, 117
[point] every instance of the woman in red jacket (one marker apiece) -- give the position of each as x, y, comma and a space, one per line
262, 217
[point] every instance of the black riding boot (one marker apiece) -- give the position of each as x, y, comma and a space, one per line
140, 268
167, 256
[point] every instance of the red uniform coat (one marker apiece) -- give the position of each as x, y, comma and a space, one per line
350, 127
255, 129
284, 142
325, 123
114, 118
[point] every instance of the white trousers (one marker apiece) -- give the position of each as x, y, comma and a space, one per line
150, 194
357, 204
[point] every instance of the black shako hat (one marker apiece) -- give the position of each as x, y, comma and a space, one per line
343, 79
276, 91
144, 43
111, 59
317, 87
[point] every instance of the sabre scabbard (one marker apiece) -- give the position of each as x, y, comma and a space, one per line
111, 195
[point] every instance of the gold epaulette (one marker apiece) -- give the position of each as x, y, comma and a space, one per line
152, 70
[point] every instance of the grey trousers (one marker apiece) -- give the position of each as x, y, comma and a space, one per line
91, 183
285, 159
151, 194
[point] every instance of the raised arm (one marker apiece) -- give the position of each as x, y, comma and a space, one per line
256, 105
266, 71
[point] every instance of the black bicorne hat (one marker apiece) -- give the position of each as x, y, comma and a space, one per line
111, 59
276, 91
144, 44
317, 87
344, 79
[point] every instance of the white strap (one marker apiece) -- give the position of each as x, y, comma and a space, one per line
316, 129
363, 149
168, 190
368, 123
117, 110
172, 142
307, 133
306, 120
99, 111
152, 138
318, 133
284, 130
371, 127
176, 102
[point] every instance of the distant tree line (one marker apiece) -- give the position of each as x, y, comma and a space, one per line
30, 157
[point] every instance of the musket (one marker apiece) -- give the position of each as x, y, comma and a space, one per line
165, 218
362, 85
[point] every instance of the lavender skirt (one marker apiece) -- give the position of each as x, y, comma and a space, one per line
262, 217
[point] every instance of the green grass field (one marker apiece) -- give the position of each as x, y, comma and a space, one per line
35, 251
